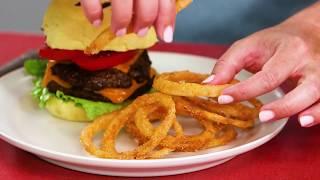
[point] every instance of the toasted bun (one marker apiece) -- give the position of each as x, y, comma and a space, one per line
66, 110
66, 27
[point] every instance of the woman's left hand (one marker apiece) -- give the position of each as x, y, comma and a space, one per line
291, 51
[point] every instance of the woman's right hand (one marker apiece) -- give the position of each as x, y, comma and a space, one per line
141, 14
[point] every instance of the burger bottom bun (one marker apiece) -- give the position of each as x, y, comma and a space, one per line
66, 110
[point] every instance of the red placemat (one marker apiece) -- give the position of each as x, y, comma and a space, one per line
293, 154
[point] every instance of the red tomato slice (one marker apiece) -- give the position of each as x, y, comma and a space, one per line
59, 55
100, 61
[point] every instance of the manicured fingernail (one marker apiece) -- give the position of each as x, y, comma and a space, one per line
168, 34
225, 99
265, 116
306, 121
96, 23
121, 32
209, 79
142, 32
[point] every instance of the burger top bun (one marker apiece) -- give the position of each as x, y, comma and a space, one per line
66, 27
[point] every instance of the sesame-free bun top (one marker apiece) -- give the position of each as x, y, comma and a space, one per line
66, 27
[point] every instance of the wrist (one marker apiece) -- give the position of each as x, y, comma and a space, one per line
308, 17
305, 25
310, 14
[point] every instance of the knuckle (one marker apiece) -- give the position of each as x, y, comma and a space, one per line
218, 67
284, 109
146, 19
123, 19
269, 80
224, 64
238, 43
221, 63
314, 91
299, 44
244, 42
241, 93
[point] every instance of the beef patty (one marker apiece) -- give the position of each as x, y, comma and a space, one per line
54, 87
85, 84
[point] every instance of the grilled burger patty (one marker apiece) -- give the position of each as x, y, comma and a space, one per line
54, 87
91, 81
85, 84
140, 70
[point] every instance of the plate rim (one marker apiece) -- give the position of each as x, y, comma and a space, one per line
167, 162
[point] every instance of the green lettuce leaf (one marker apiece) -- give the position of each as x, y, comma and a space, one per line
41, 94
93, 109
35, 67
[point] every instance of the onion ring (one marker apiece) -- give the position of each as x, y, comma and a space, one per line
102, 39
224, 135
181, 93
143, 118
88, 133
185, 83
234, 110
118, 120
200, 113
179, 142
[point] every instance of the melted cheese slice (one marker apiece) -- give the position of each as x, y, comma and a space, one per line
116, 95
126, 66
48, 76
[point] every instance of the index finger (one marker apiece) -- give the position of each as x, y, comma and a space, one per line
93, 11
122, 12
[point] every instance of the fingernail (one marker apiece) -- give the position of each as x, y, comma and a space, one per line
265, 116
142, 32
121, 32
209, 79
225, 99
168, 34
306, 121
96, 23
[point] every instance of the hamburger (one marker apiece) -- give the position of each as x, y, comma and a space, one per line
88, 71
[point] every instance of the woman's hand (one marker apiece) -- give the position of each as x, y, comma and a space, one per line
290, 50
140, 13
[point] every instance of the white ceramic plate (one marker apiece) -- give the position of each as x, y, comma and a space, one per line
25, 126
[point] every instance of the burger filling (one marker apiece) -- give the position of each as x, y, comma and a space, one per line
116, 84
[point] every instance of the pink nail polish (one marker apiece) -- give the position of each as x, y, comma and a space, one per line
306, 121
142, 32
209, 79
267, 115
168, 34
225, 99
96, 23
121, 32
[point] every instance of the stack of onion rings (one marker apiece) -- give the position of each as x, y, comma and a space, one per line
114, 122
179, 93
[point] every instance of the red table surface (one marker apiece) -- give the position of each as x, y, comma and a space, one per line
293, 154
